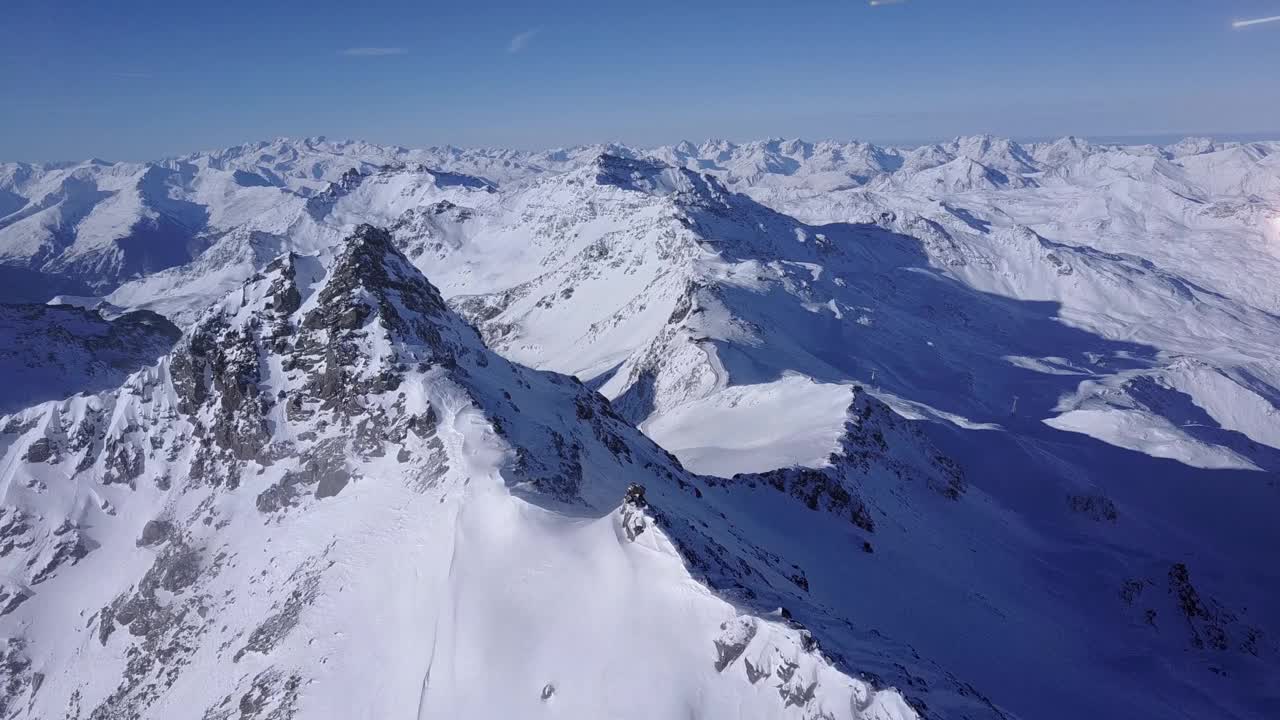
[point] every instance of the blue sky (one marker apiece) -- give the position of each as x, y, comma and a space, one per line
142, 79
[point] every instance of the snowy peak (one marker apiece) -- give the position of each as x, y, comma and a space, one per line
653, 177
370, 278
1001, 153
409, 181
963, 174
629, 173
237, 522
1063, 151
330, 337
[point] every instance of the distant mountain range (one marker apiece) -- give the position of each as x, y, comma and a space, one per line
105, 223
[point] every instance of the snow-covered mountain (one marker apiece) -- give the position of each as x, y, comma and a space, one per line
1012, 411
103, 224
331, 500
735, 336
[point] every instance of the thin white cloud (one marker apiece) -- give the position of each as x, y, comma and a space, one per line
1257, 21
521, 40
374, 51
880, 3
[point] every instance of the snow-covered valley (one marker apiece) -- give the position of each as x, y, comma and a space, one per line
975, 429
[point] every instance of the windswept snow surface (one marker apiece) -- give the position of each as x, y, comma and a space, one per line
1006, 416
749, 427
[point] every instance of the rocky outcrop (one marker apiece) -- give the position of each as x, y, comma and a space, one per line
634, 516
880, 451
1174, 606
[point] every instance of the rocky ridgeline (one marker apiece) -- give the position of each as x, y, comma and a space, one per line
880, 454
208, 418
218, 374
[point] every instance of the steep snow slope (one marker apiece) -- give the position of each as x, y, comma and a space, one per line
332, 501
52, 351
748, 427
1141, 255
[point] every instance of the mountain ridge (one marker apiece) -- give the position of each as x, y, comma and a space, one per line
296, 397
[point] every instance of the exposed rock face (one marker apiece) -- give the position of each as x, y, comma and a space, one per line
1096, 507
39, 451
17, 679
1171, 605
66, 545
733, 640
866, 444
879, 452
155, 532
11, 596
634, 517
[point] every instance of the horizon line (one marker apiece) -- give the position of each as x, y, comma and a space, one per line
1130, 140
